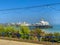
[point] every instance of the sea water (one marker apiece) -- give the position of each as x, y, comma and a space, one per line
56, 28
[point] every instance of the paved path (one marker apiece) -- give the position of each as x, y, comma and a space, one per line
8, 42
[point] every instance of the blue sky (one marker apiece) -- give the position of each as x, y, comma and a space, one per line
51, 13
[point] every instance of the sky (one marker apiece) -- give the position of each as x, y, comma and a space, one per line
33, 15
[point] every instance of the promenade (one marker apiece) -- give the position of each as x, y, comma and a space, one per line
9, 42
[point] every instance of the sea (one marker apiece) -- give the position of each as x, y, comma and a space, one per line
56, 28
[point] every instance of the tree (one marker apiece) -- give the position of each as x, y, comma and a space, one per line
57, 36
25, 31
38, 33
49, 37
2, 29
9, 30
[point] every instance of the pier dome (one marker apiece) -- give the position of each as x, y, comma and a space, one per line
42, 22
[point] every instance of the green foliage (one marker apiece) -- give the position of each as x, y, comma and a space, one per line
48, 37
24, 29
9, 29
2, 28
57, 36
49, 34
26, 33
37, 31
